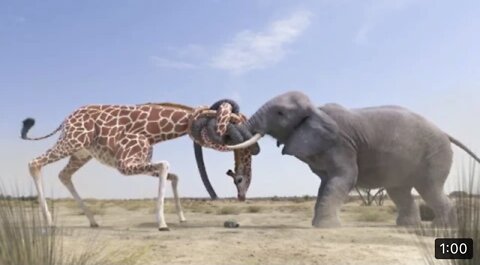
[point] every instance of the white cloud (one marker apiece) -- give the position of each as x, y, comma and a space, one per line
173, 64
255, 50
376, 13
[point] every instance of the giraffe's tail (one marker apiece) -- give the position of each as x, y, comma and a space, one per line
28, 124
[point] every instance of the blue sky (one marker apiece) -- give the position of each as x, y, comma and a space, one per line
58, 55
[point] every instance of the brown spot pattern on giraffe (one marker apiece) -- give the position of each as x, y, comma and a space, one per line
122, 136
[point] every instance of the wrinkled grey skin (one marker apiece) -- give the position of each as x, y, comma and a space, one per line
375, 147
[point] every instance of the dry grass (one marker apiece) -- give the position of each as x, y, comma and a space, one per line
96, 209
254, 209
225, 210
262, 222
468, 216
135, 205
372, 215
24, 240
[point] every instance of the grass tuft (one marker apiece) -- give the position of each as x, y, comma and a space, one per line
228, 210
254, 209
467, 204
368, 214
25, 240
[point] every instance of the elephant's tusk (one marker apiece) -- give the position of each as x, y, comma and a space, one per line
247, 143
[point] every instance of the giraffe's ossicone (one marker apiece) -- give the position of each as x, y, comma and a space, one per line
118, 136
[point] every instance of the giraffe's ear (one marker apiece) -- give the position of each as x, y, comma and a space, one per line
230, 173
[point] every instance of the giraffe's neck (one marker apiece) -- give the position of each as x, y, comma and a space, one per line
243, 161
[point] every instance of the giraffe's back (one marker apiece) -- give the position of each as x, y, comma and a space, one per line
100, 129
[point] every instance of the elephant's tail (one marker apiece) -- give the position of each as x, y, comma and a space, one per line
465, 148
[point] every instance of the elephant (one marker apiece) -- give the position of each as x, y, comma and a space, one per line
375, 147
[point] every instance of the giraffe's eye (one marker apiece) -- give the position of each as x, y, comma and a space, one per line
238, 181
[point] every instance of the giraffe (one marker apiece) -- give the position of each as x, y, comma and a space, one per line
121, 137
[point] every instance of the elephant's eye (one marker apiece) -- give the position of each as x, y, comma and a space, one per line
280, 113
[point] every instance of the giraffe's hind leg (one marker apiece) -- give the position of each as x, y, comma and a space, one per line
35, 166
64, 147
77, 160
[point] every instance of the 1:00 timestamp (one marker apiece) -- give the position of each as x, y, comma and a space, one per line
453, 248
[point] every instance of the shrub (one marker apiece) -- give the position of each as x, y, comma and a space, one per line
426, 213
254, 209
23, 239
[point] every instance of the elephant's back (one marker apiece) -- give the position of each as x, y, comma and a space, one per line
399, 125
399, 142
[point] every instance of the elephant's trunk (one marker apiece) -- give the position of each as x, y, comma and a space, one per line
257, 122
203, 171
255, 125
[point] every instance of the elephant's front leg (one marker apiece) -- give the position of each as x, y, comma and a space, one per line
331, 195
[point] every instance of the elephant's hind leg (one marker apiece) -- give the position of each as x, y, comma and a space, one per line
431, 189
408, 212
435, 198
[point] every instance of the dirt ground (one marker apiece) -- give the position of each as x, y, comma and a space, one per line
273, 231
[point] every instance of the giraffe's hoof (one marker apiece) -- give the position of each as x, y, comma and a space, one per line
95, 225
183, 221
163, 229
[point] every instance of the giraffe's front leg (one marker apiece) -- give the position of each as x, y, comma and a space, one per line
159, 170
162, 167
174, 179
134, 158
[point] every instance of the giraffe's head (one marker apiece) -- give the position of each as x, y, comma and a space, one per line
242, 175
241, 182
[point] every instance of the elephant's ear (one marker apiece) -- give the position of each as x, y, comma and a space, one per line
314, 135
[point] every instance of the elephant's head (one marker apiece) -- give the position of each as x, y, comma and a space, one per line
295, 122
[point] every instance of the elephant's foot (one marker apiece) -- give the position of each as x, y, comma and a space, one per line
326, 222
448, 220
